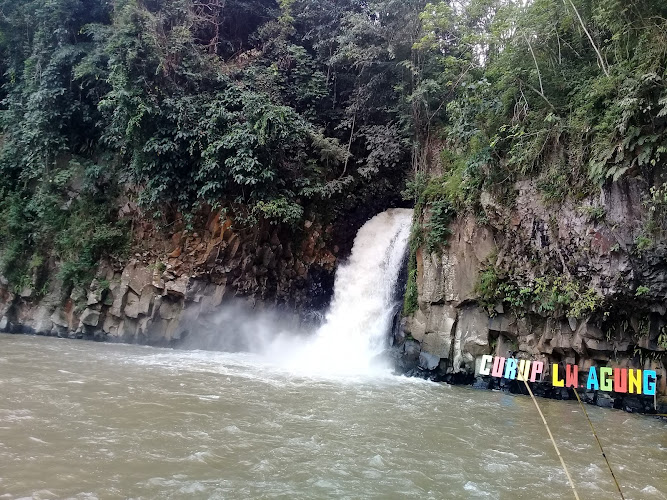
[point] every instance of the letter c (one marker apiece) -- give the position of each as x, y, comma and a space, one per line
485, 365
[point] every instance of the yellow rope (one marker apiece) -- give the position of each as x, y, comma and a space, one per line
618, 486
553, 441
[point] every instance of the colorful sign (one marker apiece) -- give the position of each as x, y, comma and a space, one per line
599, 379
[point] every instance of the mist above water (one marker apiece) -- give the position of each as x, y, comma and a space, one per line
355, 330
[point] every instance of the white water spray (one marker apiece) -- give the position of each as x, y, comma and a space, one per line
363, 307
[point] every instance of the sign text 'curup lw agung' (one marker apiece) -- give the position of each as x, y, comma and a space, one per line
622, 380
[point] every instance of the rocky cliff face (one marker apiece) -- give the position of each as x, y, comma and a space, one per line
175, 280
612, 281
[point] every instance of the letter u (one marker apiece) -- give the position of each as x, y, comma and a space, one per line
498, 365
620, 379
524, 370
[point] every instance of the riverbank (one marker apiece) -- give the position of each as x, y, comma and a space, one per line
543, 282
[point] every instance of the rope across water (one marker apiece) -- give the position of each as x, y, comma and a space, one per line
553, 441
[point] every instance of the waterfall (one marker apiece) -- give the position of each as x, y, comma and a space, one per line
355, 329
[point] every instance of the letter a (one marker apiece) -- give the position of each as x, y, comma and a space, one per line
592, 382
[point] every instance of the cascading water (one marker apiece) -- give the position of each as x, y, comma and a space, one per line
355, 329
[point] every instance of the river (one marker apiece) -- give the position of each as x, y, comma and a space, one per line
87, 420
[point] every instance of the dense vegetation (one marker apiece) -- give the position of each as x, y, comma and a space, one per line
573, 93
271, 110
282, 109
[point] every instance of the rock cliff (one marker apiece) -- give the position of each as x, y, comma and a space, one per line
175, 279
575, 283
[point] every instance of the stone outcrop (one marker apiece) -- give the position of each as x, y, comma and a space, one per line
175, 282
532, 239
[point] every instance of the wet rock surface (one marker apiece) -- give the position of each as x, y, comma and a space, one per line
175, 281
532, 239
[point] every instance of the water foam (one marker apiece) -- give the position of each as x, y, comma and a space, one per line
354, 333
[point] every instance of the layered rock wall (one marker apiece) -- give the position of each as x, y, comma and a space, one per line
175, 281
451, 329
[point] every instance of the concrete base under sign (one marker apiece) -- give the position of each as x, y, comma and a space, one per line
633, 403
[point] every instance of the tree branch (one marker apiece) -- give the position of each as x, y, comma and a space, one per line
590, 38
537, 67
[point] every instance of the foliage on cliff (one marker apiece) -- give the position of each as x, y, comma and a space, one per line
557, 295
572, 92
271, 109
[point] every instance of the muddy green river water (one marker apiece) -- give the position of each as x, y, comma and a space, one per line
87, 420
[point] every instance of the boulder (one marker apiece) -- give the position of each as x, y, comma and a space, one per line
127, 330
111, 325
146, 299
59, 318
563, 340
441, 318
415, 325
139, 277
170, 309
212, 297
94, 297
132, 305
233, 245
599, 345
506, 323
411, 350
119, 289
573, 323
178, 287
195, 290
90, 317
437, 339
473, 324
604, 400
428, 361
437, 343
451, 276
431, 281
157, 280
471, 338
589, 331
41, 320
